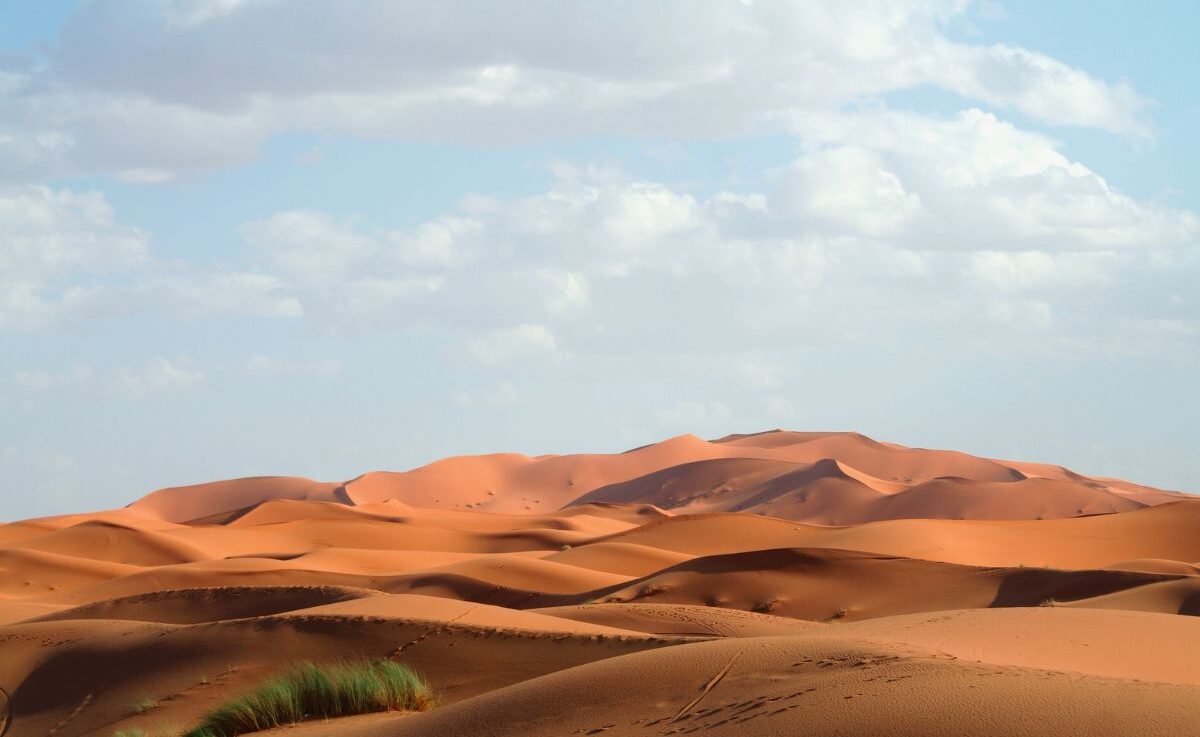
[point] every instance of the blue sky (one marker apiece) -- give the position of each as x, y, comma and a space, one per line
243, 237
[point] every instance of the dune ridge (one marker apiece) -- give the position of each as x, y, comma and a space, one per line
824, 478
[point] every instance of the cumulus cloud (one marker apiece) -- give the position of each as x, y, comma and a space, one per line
1044, 88
309, 246
888, 222
883, 220
65, 258
602, 262
1041, 271
852, 189
148, 90
982, 183
58, 246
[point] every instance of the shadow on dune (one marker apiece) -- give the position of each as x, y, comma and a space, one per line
1041, 586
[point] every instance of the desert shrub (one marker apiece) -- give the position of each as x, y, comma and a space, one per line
652, 590
765, 606
311, 691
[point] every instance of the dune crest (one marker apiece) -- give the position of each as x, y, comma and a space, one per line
818, 477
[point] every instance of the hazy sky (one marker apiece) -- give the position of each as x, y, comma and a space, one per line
243, 237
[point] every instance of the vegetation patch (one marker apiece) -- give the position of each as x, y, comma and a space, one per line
311, 691
765, 606
652, 590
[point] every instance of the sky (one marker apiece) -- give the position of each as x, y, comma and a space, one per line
252, 237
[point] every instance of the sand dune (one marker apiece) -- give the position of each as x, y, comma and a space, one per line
829, 684
775, 583
59, 666
1165, 532
221, 501
212, 604
826, 585
824, 478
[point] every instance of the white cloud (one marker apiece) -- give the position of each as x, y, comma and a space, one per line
437, 243
1044, 88
985, 184
851, 188
157, 376
884, 221
913, 227
57, 245
309, 246
395, 70
922, 223
340, 277
1038, 270
48, 233
65, 258
259, 365
569, 291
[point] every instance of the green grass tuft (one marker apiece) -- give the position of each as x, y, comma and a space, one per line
310, 691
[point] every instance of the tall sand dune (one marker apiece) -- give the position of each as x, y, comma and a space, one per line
824, 478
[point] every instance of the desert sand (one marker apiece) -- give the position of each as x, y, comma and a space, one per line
778, 583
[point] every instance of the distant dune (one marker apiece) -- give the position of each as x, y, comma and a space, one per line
777, 583
820, 478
